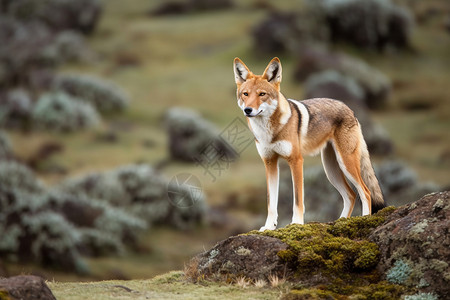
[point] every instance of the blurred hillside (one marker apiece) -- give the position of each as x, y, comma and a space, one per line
84, 102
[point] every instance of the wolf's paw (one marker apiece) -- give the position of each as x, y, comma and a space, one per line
265, 227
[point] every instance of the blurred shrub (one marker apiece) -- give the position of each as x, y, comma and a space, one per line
16, 175
80, 15
332, 84
15, 109
66, 46
190, 135
23, 47
178, 7
141, 191
373, 24
104, 95
28, 231
286, 32
61, 112
31, 47
376, 85
6, 151
55, 228
103, 228
324, 83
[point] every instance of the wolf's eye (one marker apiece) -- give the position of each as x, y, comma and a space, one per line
262, 94
245, 94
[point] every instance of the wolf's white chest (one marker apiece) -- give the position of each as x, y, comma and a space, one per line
264, 135
283, 148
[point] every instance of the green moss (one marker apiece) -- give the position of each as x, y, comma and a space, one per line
330, 248
360, 227
340, 254
4, 295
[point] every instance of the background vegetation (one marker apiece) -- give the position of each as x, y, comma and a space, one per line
136, 64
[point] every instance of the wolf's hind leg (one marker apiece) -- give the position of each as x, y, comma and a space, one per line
337, 179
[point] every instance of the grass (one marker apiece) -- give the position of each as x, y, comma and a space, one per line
168, 286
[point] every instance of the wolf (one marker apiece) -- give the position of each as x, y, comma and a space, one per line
289, 129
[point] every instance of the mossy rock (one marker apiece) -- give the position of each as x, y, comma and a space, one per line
324, 251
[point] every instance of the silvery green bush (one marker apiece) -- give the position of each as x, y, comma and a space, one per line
15, 108
56, 228
80, 15
190, 134
5, 146
104, 229
31, 47
16, 175
141, 191
102, 94
373, 24
62, 112
30, 232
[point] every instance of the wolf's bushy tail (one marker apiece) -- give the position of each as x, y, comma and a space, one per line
370, 179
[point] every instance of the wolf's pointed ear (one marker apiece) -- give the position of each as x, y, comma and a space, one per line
273, 71
241, 72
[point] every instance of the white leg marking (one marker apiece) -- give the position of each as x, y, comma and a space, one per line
272, 215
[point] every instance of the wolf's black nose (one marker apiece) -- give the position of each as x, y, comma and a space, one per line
248, 110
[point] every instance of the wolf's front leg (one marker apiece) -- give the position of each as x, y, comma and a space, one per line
272, 193
298, 207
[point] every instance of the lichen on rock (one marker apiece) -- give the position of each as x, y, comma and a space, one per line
414, 241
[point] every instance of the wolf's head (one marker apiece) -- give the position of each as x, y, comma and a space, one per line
258, 95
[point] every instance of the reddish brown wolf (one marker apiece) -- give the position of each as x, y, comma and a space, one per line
291, 129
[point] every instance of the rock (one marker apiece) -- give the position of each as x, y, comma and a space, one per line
375, 85
332, 84
25, 287
193, 139
414, 245
252, 256
335, 257
389, 255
